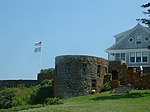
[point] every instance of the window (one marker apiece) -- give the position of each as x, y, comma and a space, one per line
138, 57
112, 56
138, 40
117, 56
106, 69
132, 57
130, 39
98, 70
84, 68
146, 39
123, 56
145, 57
68, 67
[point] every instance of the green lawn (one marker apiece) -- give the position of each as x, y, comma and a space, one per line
135, 101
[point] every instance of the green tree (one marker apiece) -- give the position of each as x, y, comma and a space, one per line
47, 71
147, 12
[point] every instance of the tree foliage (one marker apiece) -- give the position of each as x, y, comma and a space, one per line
147, 12
47, 71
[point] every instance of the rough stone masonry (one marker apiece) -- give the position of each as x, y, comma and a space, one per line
78, 74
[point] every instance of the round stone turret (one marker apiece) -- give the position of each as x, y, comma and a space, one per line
78, 75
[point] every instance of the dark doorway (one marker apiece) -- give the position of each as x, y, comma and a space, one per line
115, 75
94, 84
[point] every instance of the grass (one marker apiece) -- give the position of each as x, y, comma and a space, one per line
135, 101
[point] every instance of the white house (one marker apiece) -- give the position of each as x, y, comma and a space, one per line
132, 47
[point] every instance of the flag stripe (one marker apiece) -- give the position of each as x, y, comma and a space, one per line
38, 44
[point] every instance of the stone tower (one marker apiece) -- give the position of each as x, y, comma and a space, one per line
78, 75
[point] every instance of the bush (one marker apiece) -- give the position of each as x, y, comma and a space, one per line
53, 101
41, 92
6, 97
46, 83
20, 100
22, 95
106, 86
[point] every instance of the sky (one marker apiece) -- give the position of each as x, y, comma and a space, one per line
65, 27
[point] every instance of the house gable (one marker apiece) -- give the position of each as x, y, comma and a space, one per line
129, 39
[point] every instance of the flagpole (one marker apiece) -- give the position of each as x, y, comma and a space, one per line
38, 49
41, 59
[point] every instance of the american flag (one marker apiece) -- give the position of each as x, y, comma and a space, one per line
38, 43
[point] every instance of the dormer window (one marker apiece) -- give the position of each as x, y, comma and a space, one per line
131, 39
146, 39
138, 40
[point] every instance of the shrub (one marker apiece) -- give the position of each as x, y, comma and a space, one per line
53, 101
106, 86
46, 83
41, 92
19, 100
6, 97
22, 95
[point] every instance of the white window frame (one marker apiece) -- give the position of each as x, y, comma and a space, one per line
117, 56
146, 53
138, 55
112, 56
133, 57
141, 56
138, 39
146, 40
130, 38
121, 57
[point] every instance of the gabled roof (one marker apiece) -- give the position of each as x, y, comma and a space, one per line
121, 36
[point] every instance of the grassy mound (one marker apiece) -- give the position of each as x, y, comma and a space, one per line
135, 101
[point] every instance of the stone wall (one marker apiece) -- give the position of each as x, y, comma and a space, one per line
138, 79
14, 83
127, 75
143, 82
78, 75
118, 71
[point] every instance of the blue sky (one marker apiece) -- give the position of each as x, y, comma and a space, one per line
71, 27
